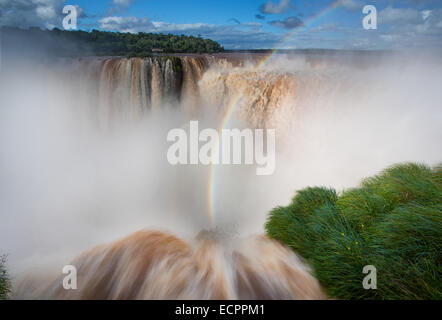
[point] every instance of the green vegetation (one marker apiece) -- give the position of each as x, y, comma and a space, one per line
74, 43
392, 221
5, 283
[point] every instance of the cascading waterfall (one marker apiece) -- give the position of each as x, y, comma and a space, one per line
129, 88
157, 265
91, 186
146, 84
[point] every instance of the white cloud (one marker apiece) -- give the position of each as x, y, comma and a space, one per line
26, 13
434, 18
251, 24
247, 35
175, 27
387, 37
122, 3
425, 14
126, 24
119, 5
46, 13
397, 27
273, 8
287, 23
413, 25
351, 5
33, 13
401, 16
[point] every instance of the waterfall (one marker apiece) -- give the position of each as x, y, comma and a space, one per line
84, 162
130, 88
157, 265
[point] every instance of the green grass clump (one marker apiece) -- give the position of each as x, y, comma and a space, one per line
392, 221
5, 283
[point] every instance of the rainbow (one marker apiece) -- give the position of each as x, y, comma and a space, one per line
212, 169
237, 99
307, 24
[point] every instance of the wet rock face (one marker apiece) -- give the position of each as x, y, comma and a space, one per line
128, 88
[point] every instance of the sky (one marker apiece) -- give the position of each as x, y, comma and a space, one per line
249, 24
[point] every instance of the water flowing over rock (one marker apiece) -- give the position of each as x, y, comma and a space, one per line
130, 88
156, 265
84, 161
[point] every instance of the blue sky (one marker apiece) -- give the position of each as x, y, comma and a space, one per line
250, 24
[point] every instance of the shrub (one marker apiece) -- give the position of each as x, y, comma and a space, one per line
392, 221
5, 284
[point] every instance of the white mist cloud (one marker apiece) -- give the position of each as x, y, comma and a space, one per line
66, 185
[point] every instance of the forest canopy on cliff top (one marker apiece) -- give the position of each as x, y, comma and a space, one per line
78, 43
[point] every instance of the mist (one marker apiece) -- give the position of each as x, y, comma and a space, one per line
68, 182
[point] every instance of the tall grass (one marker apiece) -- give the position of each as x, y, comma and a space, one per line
5, 284
392, 221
